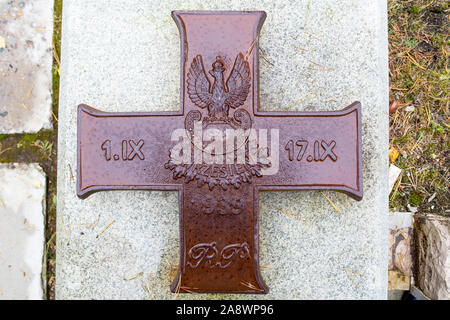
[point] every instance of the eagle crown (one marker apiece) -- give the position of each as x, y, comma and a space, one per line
218, 65
217, 73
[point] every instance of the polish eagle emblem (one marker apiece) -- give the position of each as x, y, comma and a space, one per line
217, 96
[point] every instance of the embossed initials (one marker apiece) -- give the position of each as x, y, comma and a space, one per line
206, 252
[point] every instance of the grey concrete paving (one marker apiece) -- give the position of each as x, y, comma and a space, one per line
318, 55
22, 239
26, 29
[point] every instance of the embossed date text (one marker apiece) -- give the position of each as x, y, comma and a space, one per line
129, 150
321, 150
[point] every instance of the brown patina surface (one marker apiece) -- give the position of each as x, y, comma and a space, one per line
219, 202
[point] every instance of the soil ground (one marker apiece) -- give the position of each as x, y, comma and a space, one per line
419, 123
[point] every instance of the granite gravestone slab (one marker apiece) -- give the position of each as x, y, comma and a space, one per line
128, 249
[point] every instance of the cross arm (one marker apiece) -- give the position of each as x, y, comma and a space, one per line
124, 151
317, 151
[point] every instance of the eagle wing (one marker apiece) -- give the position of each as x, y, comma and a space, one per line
198, 83
238, 82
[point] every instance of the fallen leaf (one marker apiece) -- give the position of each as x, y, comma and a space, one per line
393, 106
393, 154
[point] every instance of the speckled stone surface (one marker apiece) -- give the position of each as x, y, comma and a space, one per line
26, 30
315, 55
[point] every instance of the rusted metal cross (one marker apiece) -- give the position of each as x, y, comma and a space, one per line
218, 194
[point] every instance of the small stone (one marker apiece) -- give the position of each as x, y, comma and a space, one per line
410, 108
394, 172
433, 255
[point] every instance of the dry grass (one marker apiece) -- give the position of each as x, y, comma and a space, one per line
419, 82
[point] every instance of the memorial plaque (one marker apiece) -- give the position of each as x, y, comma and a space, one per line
219, 151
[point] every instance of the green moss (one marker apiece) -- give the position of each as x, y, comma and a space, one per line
419, 134
3, 136
403, 139
29, 138
438, 129
414, 10
42, 135
416, 198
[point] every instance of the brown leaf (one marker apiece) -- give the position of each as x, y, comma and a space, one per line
393, 106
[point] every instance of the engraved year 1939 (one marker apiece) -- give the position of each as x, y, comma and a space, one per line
221, 205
